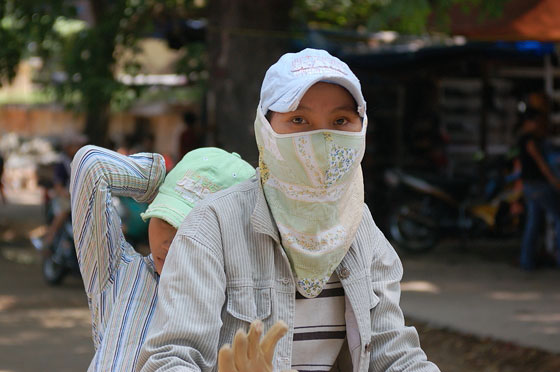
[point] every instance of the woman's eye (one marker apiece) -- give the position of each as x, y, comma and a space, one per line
340, 121
298, 120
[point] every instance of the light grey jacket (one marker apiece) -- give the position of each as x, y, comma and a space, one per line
226, 267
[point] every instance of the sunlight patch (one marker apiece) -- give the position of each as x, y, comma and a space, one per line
420, 286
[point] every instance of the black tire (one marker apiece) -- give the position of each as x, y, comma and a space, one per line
53, 273
413, 230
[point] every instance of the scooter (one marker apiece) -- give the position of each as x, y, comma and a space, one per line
430, 210
59, 259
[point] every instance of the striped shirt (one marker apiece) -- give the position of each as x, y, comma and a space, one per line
319, 328
121, 285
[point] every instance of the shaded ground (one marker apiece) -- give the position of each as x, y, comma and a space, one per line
475, 291
47, 329
41, 328
456, 352
477, 288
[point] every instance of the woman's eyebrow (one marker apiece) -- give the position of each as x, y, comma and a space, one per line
345, 108
303, 107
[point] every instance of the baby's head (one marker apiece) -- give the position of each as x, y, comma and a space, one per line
201, 172
312, 90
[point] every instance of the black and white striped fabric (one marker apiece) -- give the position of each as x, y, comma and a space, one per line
318, 339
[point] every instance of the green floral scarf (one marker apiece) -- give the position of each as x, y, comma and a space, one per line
313, 185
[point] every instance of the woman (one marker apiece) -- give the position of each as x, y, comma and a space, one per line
294, 244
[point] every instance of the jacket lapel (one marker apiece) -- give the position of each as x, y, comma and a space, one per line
261, 218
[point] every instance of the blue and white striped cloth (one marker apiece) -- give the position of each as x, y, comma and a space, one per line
121, 284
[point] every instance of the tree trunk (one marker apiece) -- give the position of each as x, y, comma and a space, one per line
244, 38
97, 125
97, 95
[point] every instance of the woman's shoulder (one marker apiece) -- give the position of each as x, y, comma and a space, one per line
232, 205
234, 197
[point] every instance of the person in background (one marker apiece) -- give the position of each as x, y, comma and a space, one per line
541, 186
188, 139
147, 143
121, 284
295, 244
126, 146
2, 195
61, 178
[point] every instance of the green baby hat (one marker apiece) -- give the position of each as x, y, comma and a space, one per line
201, 172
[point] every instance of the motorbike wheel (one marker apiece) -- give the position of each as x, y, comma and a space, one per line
53, 272
411, 228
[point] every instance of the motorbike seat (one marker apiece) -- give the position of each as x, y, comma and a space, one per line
457, 188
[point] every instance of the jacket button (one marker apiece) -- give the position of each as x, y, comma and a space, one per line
369, 347
344, 273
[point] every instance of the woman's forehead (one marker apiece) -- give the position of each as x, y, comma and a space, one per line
328, 94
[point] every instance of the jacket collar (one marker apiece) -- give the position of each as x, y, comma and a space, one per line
261, 218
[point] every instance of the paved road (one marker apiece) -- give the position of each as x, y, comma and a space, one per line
42, 328
468, 293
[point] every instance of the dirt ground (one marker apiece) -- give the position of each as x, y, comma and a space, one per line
46, 328
454, 352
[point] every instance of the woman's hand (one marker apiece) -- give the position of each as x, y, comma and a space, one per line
249, 353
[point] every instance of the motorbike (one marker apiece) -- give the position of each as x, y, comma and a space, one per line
59, 259
428, 210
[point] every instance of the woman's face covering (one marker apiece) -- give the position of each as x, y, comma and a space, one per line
324, 106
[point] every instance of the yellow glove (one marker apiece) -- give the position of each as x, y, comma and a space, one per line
249, 353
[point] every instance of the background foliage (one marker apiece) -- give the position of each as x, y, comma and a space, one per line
404, 16
79, 56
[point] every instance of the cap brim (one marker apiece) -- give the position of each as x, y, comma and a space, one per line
296, 94
171, 210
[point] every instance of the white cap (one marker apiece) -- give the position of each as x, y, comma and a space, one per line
287, 80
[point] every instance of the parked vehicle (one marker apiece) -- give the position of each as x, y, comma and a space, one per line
428, 210
59, 259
